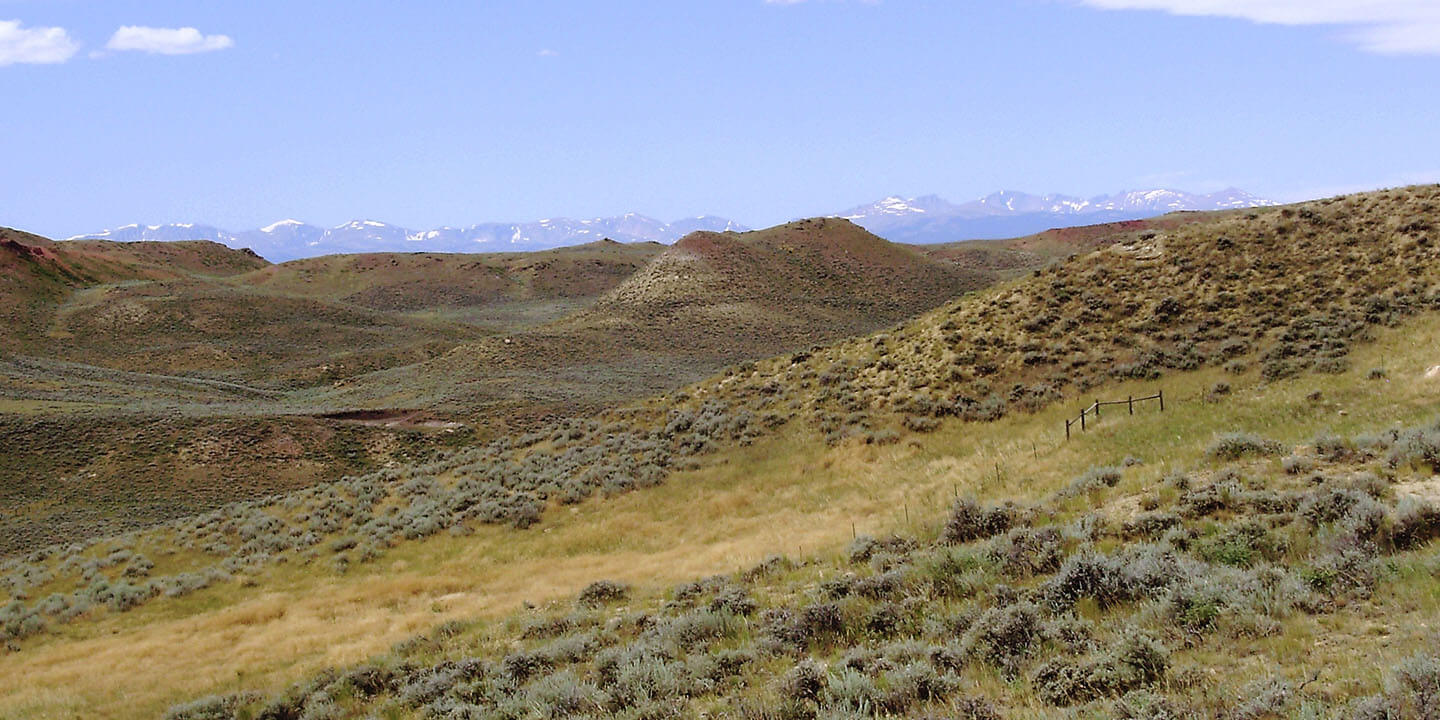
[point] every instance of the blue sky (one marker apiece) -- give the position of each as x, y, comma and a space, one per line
451, 113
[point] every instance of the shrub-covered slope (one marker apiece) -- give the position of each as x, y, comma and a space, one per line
1286, 289
1016, 609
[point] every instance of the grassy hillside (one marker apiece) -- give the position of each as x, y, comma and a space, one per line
201, 328
36, 274
1272, 525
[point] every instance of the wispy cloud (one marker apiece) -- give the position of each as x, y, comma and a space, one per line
547, 52
166, 41
34, 45
1392, 27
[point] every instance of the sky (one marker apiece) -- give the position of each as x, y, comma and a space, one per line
425, 114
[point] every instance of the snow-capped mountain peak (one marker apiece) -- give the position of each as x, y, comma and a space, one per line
272, 227
896, 206
1010, 213
292, 239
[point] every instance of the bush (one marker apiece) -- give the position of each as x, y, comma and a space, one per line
520, 666
564, 695
864, 547
1414, 691
1415, 523
571, 648
1024, 552
649, 681
969, 521
1297, 465
1264, 699
1094, 479
1349, 572
1329, 505
1233, 446
851, 690
1150, 525
213, 707
1417, 448
911, 683
1241, 545
1136, 661
687, 632
1333, 447
1005, 637
603, 592
733, 599
883, 619
803, 682
1146, 705
1110, 579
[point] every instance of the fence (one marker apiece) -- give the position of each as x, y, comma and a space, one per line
1093, 410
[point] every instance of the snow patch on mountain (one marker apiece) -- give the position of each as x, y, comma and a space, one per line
1010, 213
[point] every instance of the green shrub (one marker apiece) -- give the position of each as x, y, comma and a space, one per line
804, 681
1233, 446
1418, 448
1096, 478
969, 521
1415, 523
212, 707
564, 695
1005, 637
1023, 552
603, 592
1137, 661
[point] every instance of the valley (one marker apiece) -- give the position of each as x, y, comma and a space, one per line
164, 379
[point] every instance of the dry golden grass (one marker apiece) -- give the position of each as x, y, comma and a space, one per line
787, 494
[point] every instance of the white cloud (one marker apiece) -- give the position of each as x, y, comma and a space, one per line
34, 45
547, 52
1381, 26
166, 41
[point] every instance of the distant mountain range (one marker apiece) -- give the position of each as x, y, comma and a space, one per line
293, 239
932, 219
927, 219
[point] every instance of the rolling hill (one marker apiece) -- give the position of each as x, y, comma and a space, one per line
709, 300
145, 379
1256, 550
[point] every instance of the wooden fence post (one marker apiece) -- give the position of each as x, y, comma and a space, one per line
1082, 417
1067, 428
1131, 402
1162, 400
1097, 408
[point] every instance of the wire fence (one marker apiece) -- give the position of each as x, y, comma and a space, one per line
1091, 412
